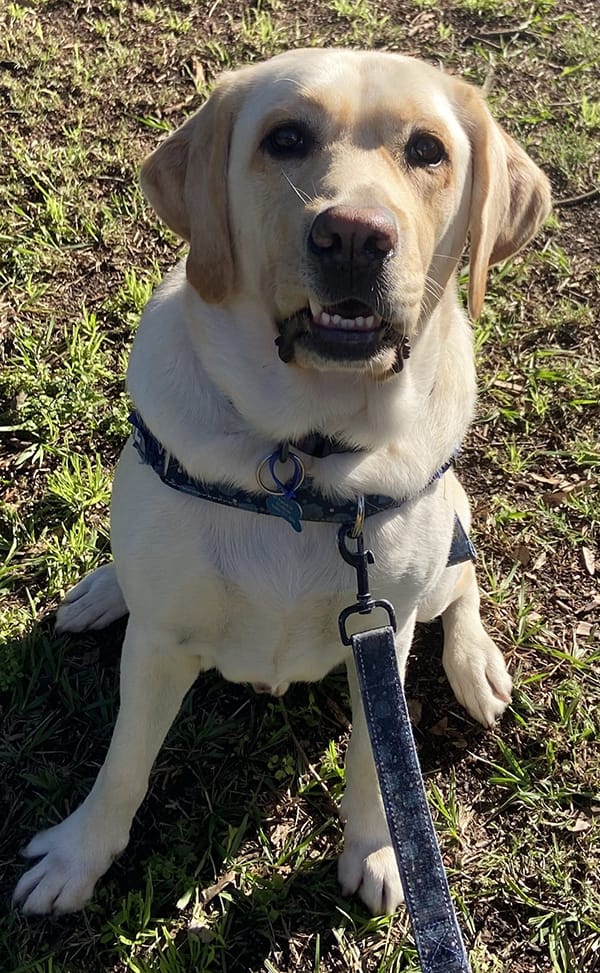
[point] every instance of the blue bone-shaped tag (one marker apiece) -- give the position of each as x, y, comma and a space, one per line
287, 508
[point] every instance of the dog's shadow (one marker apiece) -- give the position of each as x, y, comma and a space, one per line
234, 847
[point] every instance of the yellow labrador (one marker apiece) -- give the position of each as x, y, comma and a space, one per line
326, 197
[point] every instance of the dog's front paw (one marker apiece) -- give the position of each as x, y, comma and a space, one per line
477, 672
373, 873
72, 860
93, 603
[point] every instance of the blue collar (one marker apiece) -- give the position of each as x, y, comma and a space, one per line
303, 503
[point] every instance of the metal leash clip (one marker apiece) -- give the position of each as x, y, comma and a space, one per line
359, 560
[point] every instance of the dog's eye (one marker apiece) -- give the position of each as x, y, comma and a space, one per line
425, 150
289, 140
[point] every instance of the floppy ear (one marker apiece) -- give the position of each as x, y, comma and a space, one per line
185, 180
510, 197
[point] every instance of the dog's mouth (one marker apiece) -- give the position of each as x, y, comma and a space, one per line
346, 320
347, 331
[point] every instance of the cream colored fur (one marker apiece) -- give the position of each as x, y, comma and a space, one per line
207, 586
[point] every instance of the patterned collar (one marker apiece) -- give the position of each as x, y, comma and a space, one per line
307, 503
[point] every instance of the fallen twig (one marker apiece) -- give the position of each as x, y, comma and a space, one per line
576, 200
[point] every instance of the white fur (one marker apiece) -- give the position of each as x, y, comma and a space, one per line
207, 586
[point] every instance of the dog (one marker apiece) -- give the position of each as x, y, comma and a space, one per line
326, 197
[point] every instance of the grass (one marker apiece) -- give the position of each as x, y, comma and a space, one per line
231, 863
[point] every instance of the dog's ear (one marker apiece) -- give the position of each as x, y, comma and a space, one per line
510, 195
185, 181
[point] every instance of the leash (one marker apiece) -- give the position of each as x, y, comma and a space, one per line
433, 919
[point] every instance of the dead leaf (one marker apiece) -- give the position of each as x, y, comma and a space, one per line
198, 73
522, 554
555, 498
440, 729
562, 594
581, 823
201, 930
207, 895
280, 834
415, 710
589, 560
550, 480
590, 606
508, 386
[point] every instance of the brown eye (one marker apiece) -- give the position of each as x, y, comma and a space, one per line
288, 141
425, 150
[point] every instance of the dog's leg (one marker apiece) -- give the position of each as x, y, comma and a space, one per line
93, 603
76, 852
474, 665
368, 863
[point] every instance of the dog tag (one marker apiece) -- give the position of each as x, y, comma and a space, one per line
287, 508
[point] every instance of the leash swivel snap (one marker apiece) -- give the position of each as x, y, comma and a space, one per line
359, 560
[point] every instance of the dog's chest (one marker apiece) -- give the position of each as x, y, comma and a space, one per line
261, 602
248, 594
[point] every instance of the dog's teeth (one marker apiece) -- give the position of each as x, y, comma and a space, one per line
360, 323
315, 308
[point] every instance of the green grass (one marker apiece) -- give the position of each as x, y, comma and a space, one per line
232, 860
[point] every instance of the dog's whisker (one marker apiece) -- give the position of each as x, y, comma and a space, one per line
445, 256
299, 85
433, 286
299, 192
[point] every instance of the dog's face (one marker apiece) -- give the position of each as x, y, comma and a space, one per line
341, 191
337, 188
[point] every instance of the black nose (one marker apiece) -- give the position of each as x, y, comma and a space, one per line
360, 237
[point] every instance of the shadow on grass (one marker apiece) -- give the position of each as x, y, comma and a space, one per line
233, 850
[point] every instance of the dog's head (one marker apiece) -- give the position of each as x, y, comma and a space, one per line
338, 189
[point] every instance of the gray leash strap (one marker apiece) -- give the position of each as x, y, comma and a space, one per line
435, 927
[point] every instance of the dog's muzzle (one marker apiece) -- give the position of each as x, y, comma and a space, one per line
348, 249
